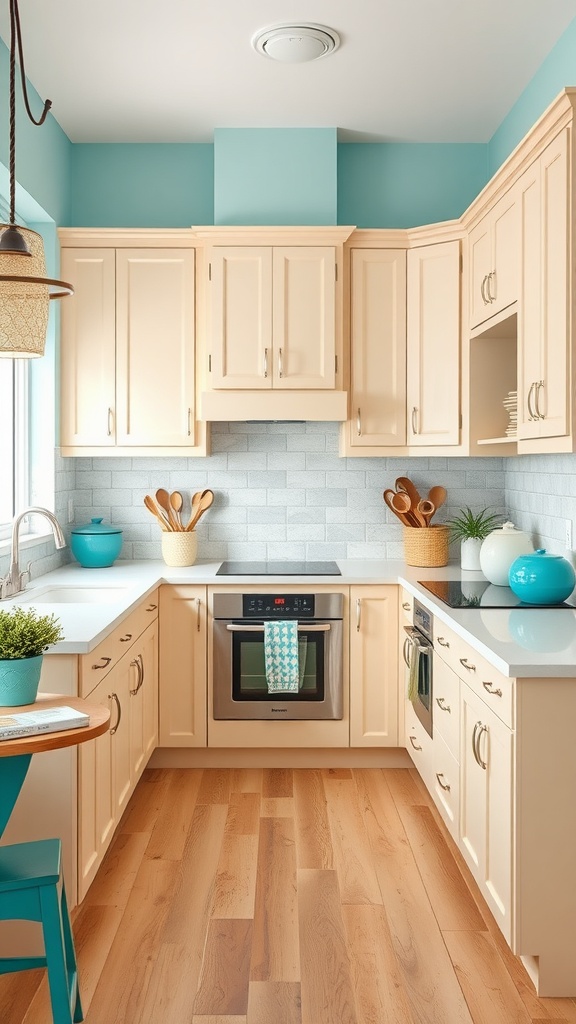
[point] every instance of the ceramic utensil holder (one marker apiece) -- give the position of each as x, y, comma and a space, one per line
426, 546
179, 547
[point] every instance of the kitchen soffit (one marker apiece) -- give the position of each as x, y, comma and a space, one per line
152, 71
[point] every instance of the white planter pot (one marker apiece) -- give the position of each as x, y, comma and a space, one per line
470, 554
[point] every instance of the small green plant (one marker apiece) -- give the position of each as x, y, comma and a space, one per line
468, 524
26, 634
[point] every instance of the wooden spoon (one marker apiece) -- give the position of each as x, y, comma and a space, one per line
176, 501
437, 495
388, 495
404, 483
163, 499
426, 509
402, 502
204, 504
196, 498
153, 508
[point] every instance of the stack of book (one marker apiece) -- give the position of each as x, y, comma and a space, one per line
28, 723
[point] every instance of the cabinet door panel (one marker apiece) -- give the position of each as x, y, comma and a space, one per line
143, 700
241, 317
378, 324
479, 250
373, 666
88, 348
183, 703
155, 347
552, 399
530, 313
434, 344
96, 803
304, 306
503, 286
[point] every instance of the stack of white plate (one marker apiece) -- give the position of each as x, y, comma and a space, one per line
510, 403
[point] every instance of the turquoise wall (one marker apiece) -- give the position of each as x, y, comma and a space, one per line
556, 72
275, 176
396, 185
142, 185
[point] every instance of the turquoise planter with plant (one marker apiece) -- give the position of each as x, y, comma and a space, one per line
24, 636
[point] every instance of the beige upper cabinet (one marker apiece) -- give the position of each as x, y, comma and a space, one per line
543, 322
433, 344
129, 325
494, 248
272, 317
378, 347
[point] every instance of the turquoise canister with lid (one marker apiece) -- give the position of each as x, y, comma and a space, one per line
96, 545
542, 578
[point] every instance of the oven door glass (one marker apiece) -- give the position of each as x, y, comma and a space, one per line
249, 669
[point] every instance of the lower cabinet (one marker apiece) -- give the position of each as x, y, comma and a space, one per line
373, 666
183, 669
109, 767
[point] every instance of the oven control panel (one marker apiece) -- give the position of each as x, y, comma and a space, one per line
281, 606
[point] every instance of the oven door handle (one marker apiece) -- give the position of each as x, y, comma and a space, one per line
320, 627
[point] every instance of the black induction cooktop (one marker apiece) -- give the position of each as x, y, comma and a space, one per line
481, 594
278, 568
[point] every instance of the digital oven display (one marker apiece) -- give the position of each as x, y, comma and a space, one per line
295, 606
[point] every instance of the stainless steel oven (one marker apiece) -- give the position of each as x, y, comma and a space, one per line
418, 649
240, 688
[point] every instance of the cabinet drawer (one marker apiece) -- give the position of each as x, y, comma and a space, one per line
406, 606
495, 689
96, 665
446, 784
446, 707
418, 744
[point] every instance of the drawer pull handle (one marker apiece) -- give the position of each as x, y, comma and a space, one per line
198, 607
406, 606
443, 785
467, 665
479, 728
415, 745
151, 608
405, 648
106, 661
442, 641
114, 697
442, 705
490, 689
358, 614
125, 639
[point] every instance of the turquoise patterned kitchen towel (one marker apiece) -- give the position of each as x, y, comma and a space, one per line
281, 656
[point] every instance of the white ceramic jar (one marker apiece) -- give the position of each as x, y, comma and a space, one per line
500, 549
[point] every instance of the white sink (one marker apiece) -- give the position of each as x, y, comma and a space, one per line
74, 595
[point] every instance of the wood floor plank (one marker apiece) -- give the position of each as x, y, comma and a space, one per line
95, 929
277, 807
245, 780
190, 908
353, 859
235, 884
313, 838
173, 984
277, 782
215, 786
379, 993
219, 1018
486, 984
173, 820
432, 989
16, 993
327, 991
145, 802
115, 879
243, 814
226, 969
275, 949
273, 1001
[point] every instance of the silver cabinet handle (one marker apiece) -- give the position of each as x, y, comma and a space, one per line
467, 665
405, 649
491, 297
531, 414
110, 422
443, 785
483, 290
265, 362
358, 613
136, 662
442, 705
442, 641
415, 745
106, 662
189, 422
114, 697
141, 660
358, 423
539, 415
280, 364
406, 606
414, 417
318, 627
479, 728
490, 689
198, 606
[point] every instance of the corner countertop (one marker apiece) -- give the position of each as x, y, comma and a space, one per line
535, 642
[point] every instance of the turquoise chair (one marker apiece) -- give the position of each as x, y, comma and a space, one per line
32, 889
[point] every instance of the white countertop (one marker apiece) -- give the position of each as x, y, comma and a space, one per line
519, 642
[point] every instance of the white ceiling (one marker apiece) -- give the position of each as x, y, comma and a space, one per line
173, 70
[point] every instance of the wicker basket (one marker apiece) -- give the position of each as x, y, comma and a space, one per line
426, 546
179, 547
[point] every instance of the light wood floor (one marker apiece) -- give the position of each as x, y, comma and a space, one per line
287, 897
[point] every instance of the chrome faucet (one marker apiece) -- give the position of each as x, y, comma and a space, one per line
15, 581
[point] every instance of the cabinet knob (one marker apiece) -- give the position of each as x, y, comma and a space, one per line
406, 606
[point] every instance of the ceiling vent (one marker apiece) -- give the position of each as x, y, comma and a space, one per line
296, 44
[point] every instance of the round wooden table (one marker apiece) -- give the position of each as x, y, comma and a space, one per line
16, 754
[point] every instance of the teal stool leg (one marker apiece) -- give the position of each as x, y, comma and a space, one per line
70, 954
12, 774
62, 977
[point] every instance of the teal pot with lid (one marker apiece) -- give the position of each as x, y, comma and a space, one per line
96, 545
542, 578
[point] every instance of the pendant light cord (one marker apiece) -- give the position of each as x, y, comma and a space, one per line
16, 42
